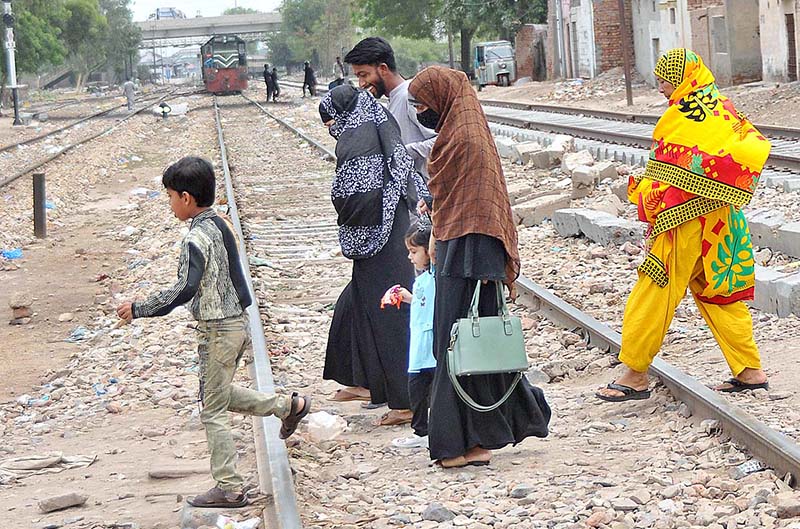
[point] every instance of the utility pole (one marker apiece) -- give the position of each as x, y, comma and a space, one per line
626, 53
8, 19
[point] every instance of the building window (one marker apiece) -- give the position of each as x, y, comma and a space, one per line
672, 15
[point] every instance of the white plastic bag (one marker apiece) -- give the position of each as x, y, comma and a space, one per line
323, 426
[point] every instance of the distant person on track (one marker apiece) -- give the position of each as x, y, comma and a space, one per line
270, 83
421, 363
211, 279
339, 75
368, 347
309, 80
276, 84
476, 240
129, 89
703, 168
375, 67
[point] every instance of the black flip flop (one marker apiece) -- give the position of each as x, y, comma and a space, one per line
372, 405
628, 393
738, 386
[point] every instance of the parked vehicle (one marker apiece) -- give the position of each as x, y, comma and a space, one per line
224, 64
494, 63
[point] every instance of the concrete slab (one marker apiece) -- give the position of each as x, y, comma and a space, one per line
788, 239
788, 295
518, 190
505, 146
588, 217
533, 211
524, 151
565, 221
766, 291
791, 185
777, 180
615, 230
584, 180
764, 226
571, 160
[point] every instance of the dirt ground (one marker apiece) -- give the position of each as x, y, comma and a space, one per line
767, 103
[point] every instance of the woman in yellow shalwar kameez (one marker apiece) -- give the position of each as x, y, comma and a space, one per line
704, 165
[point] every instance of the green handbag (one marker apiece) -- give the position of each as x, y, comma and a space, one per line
486, 345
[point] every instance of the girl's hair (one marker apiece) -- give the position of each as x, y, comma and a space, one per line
419, 234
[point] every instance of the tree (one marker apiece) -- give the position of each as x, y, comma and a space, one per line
312, 30
121, 38
465, 18
83, 32
241, 11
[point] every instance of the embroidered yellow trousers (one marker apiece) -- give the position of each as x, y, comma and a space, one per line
650, 308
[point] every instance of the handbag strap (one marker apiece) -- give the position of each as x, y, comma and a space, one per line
462, 393
502, 306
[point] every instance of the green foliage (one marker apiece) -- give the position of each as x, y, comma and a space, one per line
241, 11
492, 19
415, 19
312, 30
412, 53
121, 38
37, 35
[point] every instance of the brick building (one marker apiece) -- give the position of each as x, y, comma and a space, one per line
530, 50
585, 38
779, 39
723, 32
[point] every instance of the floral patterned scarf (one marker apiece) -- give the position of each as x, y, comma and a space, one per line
705, 163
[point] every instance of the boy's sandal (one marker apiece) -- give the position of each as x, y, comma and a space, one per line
372, 405
216, 498
289, 424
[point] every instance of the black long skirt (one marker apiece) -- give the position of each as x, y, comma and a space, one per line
454, 427
367, 345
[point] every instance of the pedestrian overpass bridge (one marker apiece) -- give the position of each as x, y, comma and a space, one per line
181, 31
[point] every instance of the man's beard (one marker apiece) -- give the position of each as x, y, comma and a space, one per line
380, 88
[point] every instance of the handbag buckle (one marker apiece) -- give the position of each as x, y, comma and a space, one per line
476, 327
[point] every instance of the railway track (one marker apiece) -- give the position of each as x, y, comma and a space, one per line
764, 443
143, 105
613, 128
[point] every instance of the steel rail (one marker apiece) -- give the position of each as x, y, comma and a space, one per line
766, 444
22, 172
650, 119
777, 160
34, 139
274, 471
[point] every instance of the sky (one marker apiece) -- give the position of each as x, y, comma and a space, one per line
207, 8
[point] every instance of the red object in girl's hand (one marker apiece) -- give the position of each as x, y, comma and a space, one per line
395, 298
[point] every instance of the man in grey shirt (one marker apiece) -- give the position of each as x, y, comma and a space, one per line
374, 65
128, 89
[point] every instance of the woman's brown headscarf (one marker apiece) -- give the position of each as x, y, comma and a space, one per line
467, 182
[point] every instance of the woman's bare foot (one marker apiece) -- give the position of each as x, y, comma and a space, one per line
395, 417
748, 377
478, 455
358, 390
452, 462
632, 379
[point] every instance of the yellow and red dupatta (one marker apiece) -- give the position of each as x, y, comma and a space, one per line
705, 162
